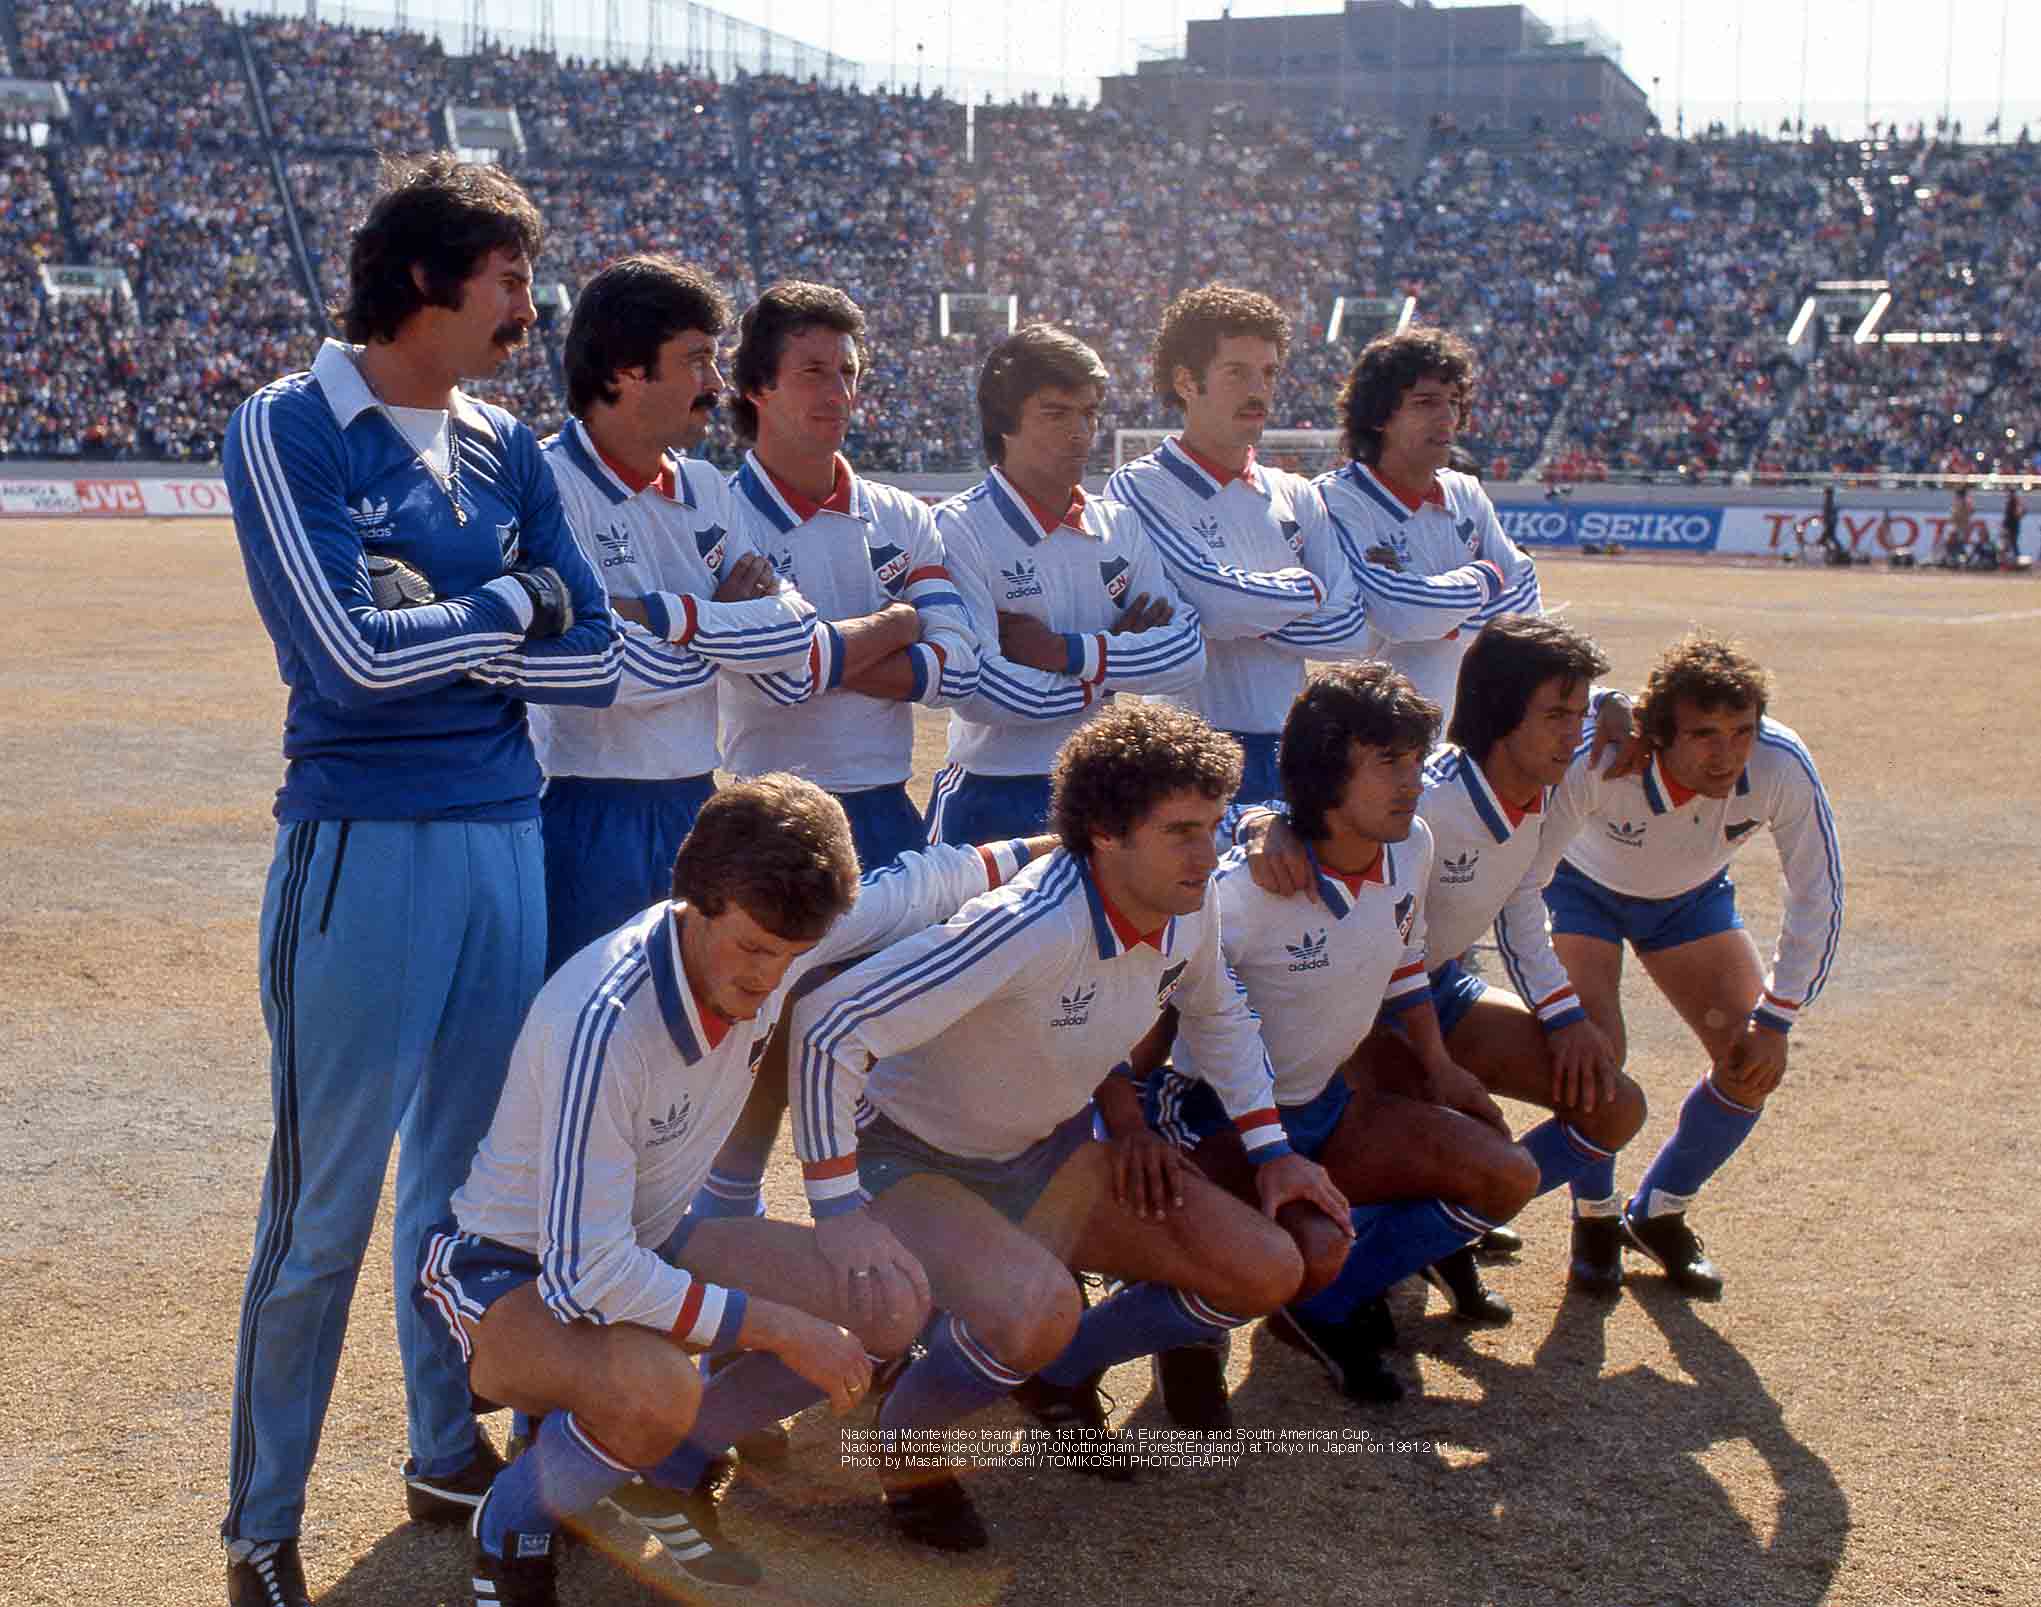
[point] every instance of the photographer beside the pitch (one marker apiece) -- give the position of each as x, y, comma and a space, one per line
407, 553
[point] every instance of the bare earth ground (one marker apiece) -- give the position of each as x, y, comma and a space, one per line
1853, 1424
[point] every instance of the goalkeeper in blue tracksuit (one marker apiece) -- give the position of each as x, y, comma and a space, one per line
408, 556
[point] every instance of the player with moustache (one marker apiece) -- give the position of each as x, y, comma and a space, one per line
1406, 517
1503, 798
409, 558
697, 601
1650, 869
1069, 600
1415, 1141
570, 1280
976, 1047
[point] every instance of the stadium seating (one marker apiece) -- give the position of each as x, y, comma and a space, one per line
1627, 301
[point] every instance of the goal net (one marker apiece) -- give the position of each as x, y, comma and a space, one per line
1305, 452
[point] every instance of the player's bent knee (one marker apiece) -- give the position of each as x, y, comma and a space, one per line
890, 1332
1504, 1185
1616, 1121
1036, 1320
1267, 1275
645, 1395
1321, 1247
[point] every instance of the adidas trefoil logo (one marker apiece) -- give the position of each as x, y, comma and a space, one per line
365, 512
1209, 529
1076, 1007
616, 546
665, 1129
1459, 870
1309, 955
1628, 833
1022, 580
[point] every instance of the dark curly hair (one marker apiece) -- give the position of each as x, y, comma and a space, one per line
789, 308
776, 846
1195, 323
1033, 359
441, 216
1110, 774
1514, 655
1387, 367
627, 312
1369, 703
1703, 670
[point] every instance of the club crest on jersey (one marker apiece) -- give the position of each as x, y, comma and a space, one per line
1309, 955
1293, 533
1209, 530
1117, 576
1406, 915
1459, 870
709, 543
616, 546
506, 541
1739, 831
1465, 527
889, 563
1022, 580
1626, 832
1075, 1006
674, 1124
1168, 983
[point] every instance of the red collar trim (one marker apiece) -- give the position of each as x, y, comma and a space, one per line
1073, 516
838, 500
1413, 500
1675, 795
1221, 477
662, 477
1124, 929
1515, 816
714, 1025
1376, 873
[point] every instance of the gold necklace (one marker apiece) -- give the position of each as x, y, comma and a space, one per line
449, 483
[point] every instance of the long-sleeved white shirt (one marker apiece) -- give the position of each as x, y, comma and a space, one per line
1077, 581
885, 549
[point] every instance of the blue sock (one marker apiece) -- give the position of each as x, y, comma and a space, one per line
1594, 1185
753, 1390
728, 1194
1138, 1321
563, 1473
956, 1377
1711, 1128
1392, 1242
1564, 1154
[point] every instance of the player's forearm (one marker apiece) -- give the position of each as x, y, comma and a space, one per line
870, 639
891, 677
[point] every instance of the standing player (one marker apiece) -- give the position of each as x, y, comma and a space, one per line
1067, 596
1249, 546
623, 783
572, 1283
408, 556
1651, 869
1405, 515
866, 556
978, 1044
1502, 801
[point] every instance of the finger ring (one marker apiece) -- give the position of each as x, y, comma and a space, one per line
861, 1272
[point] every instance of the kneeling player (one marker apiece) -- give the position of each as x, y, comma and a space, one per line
1417, 1143
570, 1281
989, 1034
1650, 868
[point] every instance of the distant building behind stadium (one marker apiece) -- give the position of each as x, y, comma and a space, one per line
1495, 66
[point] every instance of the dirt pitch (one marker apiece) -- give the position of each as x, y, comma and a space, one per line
1853, 1423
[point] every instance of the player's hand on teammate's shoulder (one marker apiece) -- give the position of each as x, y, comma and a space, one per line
1291, 1177
1583, 1066
1617, 732
871, 1272
1276, 856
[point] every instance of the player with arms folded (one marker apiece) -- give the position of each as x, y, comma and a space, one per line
977, 1045
408, 556
1409, 522
1067, 596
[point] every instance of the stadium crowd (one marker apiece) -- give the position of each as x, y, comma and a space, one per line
1627, 300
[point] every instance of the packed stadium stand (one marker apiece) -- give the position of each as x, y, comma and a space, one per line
1629, 299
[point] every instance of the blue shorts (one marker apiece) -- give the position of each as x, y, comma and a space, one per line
884, 824
461, 1275
965, 809
609, 852
1186, 1111
1454, 990
1260, 780
889, 1153
1582, 906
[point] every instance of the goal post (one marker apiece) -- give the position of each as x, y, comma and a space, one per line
1305, 452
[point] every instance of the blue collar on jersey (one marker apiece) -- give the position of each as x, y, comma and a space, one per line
1333, 890
676, 998
1014, 510
756, 486
1661, 801
1109, 945
1178, 462
1363, 480
580, 449
1486, 804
